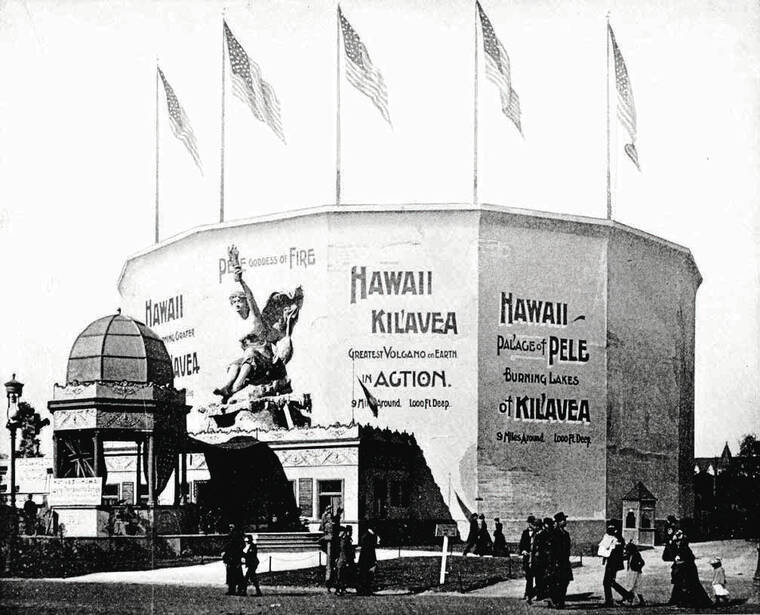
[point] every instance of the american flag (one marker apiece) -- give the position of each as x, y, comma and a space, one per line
180, 124
250, 87
626, 111
498, 71
372, 402
360, 71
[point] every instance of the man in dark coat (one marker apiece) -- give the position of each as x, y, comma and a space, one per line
612, 565
30, 515
251, 557
526, 549
367, 562
562, 572
333, 551
345, 563
472, 535
541, 556
232, 556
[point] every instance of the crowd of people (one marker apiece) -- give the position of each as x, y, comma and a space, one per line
341, 570
479, 540
545, 548
240, 551
687, 589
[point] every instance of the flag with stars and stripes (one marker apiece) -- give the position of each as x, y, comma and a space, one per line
178, 119
626, 111
249, 86
498, 70
360, 71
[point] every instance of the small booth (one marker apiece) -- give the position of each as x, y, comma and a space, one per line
639, 507
119, 387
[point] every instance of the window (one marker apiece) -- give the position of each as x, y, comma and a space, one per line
306, 497
330, 493
128, 492
200, 490
111, 494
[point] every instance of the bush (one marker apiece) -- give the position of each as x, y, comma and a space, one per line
64, 557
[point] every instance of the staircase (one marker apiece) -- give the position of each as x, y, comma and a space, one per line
286, 541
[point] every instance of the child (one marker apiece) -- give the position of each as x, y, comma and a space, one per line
719, 581
635, 566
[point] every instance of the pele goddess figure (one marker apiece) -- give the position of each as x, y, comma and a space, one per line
266, 338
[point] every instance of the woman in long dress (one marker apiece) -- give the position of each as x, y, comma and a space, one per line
483, 545
687, 588
499, 541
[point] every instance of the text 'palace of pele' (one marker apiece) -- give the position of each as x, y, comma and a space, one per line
432, 360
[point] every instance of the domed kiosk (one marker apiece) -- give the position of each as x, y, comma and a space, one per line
119, 387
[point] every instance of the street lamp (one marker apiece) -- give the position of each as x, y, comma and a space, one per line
13, 389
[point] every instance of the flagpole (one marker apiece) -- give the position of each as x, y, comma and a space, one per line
609, 182
221, 169
157, 152
337, 118
475, 116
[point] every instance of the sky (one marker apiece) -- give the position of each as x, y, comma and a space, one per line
78, 145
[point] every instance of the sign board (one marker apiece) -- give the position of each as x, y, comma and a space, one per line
32, 474
446, 529
76, 491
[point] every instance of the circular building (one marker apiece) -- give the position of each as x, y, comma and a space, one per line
541, 362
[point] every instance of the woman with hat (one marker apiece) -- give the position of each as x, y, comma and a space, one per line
483, 545
687, 588
500, 548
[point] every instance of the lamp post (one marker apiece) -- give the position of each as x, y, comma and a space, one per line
13, 390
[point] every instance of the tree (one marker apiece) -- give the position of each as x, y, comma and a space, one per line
30, 424
738, 487
749, 446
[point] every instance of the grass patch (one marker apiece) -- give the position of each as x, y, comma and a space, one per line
414, 574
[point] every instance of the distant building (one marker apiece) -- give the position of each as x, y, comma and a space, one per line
718, 485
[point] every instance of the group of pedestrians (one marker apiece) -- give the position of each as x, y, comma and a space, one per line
240, 551
684, 576
544, 545
545, 549
479, 540
614, 553
340, 566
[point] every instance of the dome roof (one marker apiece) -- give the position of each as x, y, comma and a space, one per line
116, 348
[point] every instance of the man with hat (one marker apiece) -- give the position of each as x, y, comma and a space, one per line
614, 545
562, 571
526, 549
542, 563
